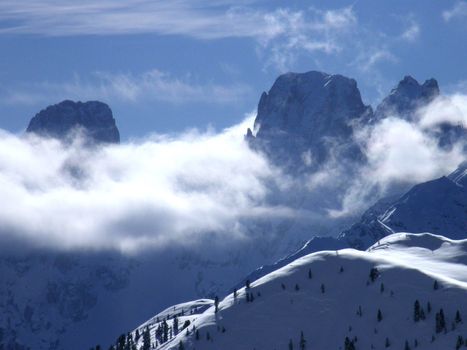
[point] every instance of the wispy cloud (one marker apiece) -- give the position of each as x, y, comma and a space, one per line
308, 31
459, 10
412, 32
276, 30
199, 18
368, 59
150, 85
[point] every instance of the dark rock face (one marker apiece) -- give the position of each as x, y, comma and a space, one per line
407, 97
93, 118
311, 112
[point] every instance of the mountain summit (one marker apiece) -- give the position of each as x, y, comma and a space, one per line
406, 97
94, 118
308, 112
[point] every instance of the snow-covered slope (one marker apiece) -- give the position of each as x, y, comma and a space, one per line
438, 206
367, 297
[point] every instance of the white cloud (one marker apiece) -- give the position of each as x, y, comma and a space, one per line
305, 32
166, 190
402, 153
458, 11
150, 85
367, 60
412, 33
200, 18
445, 109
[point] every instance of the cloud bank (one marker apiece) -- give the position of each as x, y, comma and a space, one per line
402, 153
146, 194
181, 190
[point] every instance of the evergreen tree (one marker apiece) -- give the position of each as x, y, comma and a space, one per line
235, 293
247, 284
440, 322
137, 335
216, 304
406, 347
379, 316
180, 346
349, 344
387, 344
323, 288
422, 314
302, 343
283, 286
121, 342
197, 335
428, 307
458, 317
146, 339
208, 336
165, 331
310, 275
416, 311
459, 342
175, 325
435, 285
297, 288
290, 344
341, 269
382, 288
359, 311
374, 274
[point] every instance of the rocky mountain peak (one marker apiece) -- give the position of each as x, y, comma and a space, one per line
303, 111
301, 103
93, 118
407, 97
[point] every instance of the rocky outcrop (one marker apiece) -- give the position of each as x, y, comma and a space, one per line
94, 119
308, 114
406, 97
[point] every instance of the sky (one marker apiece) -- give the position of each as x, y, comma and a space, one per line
170, 66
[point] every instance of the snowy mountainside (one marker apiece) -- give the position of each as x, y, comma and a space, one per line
67, 301
438, 206
407, 290
459, 176
435, 206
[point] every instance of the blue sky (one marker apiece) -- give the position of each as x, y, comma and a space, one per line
165, 66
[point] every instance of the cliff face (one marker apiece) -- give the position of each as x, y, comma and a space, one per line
309, 114
93, 118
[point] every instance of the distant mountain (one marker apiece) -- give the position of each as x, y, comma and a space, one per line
438, 206
92, 118
408, 291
